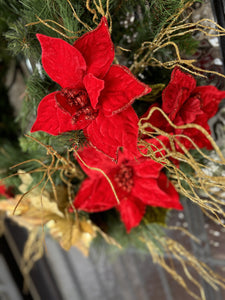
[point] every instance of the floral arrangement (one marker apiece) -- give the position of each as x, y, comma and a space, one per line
121, 173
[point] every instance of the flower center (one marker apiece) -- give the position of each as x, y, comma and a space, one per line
77, 103
124, 178
76, 97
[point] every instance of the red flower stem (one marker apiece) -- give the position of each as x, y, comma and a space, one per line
103, 173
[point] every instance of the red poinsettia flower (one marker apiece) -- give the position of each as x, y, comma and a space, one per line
138, 182
184, 103
96, 96
5, 192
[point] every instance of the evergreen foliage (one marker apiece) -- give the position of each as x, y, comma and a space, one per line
133, 22
38, 86
142, 21
109, 221
10, 155
21, 35
60, 143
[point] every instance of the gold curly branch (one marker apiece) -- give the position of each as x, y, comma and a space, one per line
199, 187
45, 22
169, 249
68, 170
102, 172
146, 54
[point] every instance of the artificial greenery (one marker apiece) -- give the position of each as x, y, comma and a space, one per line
60, 143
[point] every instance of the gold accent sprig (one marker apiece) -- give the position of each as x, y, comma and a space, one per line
146, 55
200, 186
168, 252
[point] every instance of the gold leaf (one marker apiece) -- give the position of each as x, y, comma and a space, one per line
26, 181
43, 202
71, 233
9, 205
87, 226
33, 251
62, 197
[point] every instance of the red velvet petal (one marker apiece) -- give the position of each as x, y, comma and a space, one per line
108, 134
47, 119
126, 155
67, 124
97, 49
156, 119
190, 110
131, 210
156, 192
95, 195
2, 190
51, 119
210, 98
121, 89
159, 145
196, 136
147, 168
96, 159
93, 86
63, 63
172, 199
177, 92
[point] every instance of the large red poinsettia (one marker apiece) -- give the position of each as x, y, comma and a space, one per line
95, 95
185, 103
138, 182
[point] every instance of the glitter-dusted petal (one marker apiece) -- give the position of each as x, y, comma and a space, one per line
121, 89
109, 133
63, 63
97, 49
93, 87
